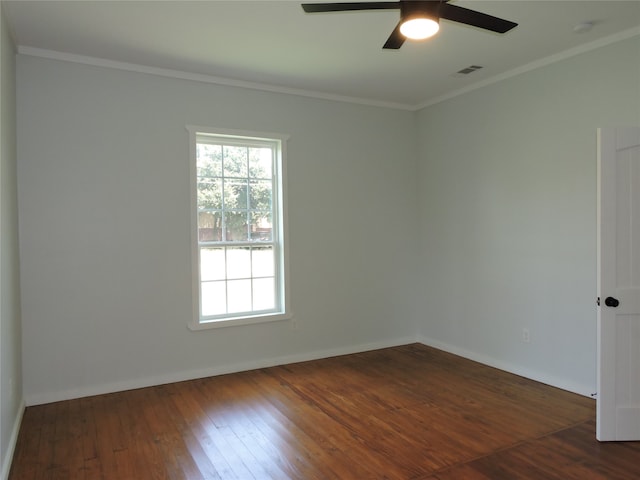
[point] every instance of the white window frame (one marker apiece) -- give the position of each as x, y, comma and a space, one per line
279, 232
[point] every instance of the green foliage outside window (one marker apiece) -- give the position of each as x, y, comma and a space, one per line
234, 192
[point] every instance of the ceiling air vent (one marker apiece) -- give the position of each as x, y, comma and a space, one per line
467, 71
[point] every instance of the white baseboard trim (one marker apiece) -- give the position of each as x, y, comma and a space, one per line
13, 441
49, 397
551, 380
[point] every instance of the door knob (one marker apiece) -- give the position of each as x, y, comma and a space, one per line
611, 302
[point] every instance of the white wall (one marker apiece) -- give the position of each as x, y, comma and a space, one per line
104, 212
11, 405
505, 227
508, 214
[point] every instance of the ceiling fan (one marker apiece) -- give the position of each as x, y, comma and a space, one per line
418, 19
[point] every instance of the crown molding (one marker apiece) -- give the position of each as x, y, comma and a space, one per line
558, 57
204, 78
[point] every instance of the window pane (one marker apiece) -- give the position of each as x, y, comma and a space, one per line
236, 226
260, 162
262, 262
213, 298
212, 264
210, 194
209, 226
261, 228
238, 262
263, 294
260, 195
239, 296
235, 194
235, 161
209, 160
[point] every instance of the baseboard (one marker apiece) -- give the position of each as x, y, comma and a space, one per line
49, 397
13, 441
557, 382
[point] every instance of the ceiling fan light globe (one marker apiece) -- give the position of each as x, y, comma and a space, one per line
419, 28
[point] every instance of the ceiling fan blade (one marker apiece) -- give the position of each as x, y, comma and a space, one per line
348, 6
475, 19
396, 39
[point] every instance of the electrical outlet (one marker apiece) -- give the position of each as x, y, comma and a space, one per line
294, 324
526, 335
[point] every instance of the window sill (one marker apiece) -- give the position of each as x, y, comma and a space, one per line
234, 322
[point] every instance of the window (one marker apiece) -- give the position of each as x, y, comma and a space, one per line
238, 257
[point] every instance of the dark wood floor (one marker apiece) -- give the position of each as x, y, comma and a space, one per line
409, 412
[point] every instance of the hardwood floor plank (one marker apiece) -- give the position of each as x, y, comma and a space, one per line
226, 452
145, 445
204, 434
45, 458
258, 441
27, 450
336, 410
89, 441
409, 412
310, 462
110, 437
337, 447
67, 442
238, 430
167, 429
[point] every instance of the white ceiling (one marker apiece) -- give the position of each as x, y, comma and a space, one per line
276, 46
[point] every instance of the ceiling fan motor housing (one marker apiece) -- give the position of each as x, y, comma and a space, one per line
417, 9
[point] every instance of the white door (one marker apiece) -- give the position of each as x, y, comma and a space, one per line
618, 399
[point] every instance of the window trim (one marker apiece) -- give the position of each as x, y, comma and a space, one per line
280, 173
